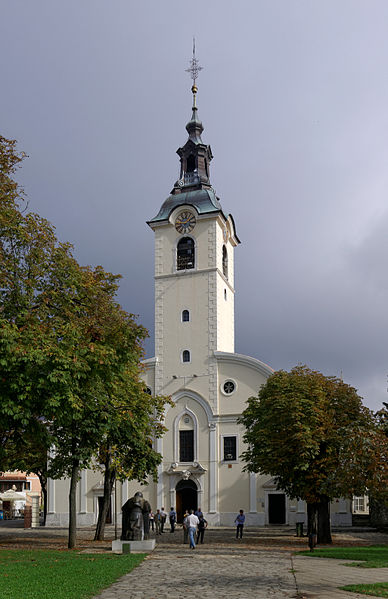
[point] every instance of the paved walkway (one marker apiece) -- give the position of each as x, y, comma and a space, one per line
206, 572
320, 577
262, 566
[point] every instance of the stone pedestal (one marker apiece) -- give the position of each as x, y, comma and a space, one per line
27, 516
34, 509
134, 546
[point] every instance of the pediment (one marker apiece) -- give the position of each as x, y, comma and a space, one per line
270, 484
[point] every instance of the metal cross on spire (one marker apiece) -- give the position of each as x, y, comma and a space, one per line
194, 67
194, 70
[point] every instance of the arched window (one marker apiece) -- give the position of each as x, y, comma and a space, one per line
185, 316
186, 439
185, 355
185, 254
190, 164
225, 261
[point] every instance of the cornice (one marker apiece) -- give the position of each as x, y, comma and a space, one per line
192, 272
150, 362
245, 360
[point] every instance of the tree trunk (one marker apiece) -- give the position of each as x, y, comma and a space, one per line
312, 518
312, 522
44, 490
73, 505
109, 479
43, 485
324, 527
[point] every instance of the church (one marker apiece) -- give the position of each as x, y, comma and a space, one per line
195, 363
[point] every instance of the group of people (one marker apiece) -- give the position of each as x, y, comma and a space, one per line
158, 520
194, 524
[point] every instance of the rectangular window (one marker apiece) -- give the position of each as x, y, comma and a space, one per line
358, 504
230, 449
186, 446
6, 485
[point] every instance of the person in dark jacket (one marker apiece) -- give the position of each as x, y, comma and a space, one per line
240, 520
172, 517
202, 525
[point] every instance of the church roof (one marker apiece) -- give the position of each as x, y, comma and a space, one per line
204, 201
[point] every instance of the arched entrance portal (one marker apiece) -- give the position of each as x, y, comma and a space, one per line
186, 497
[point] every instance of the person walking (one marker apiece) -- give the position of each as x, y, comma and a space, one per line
202, 525
172, 517
192, 522
163, 518
152, 520
240, 524
158, 522
185, 527
198, 513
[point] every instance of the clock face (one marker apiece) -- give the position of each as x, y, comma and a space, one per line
185, 222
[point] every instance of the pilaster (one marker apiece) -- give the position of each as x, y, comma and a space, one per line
51, 496
159, 337
83, 491
213, 474
252, 493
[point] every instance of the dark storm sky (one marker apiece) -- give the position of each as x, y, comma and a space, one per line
294, 100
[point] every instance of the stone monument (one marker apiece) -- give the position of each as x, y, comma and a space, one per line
135, 526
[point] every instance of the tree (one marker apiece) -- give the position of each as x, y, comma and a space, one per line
312, 433
66, 346
127, 449
378, 498
26, 241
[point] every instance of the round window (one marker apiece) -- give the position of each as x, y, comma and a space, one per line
229, 387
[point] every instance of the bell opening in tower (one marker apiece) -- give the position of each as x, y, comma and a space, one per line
185, 253
190, 164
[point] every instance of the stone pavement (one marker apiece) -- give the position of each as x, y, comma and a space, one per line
176, 572
321, 577
262, 566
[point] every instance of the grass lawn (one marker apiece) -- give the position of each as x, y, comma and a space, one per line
379, 589
60, 574
375, 556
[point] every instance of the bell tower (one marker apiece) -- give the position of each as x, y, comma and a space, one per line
194, 271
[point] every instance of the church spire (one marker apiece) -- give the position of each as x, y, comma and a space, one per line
195, 155
194, 70
194, 127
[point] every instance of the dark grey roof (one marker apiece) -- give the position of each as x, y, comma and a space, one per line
204, 200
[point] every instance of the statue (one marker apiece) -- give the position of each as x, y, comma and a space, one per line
135, 523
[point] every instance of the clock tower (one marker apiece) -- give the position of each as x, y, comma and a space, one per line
194, 274
196, 365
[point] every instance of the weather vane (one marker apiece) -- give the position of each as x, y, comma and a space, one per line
194, 70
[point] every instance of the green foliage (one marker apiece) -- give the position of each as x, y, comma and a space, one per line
378, 589
70, 373
59, 574
312, 433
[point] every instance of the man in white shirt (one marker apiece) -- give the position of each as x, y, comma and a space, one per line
192, 523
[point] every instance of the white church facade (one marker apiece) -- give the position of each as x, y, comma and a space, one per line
195, 363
